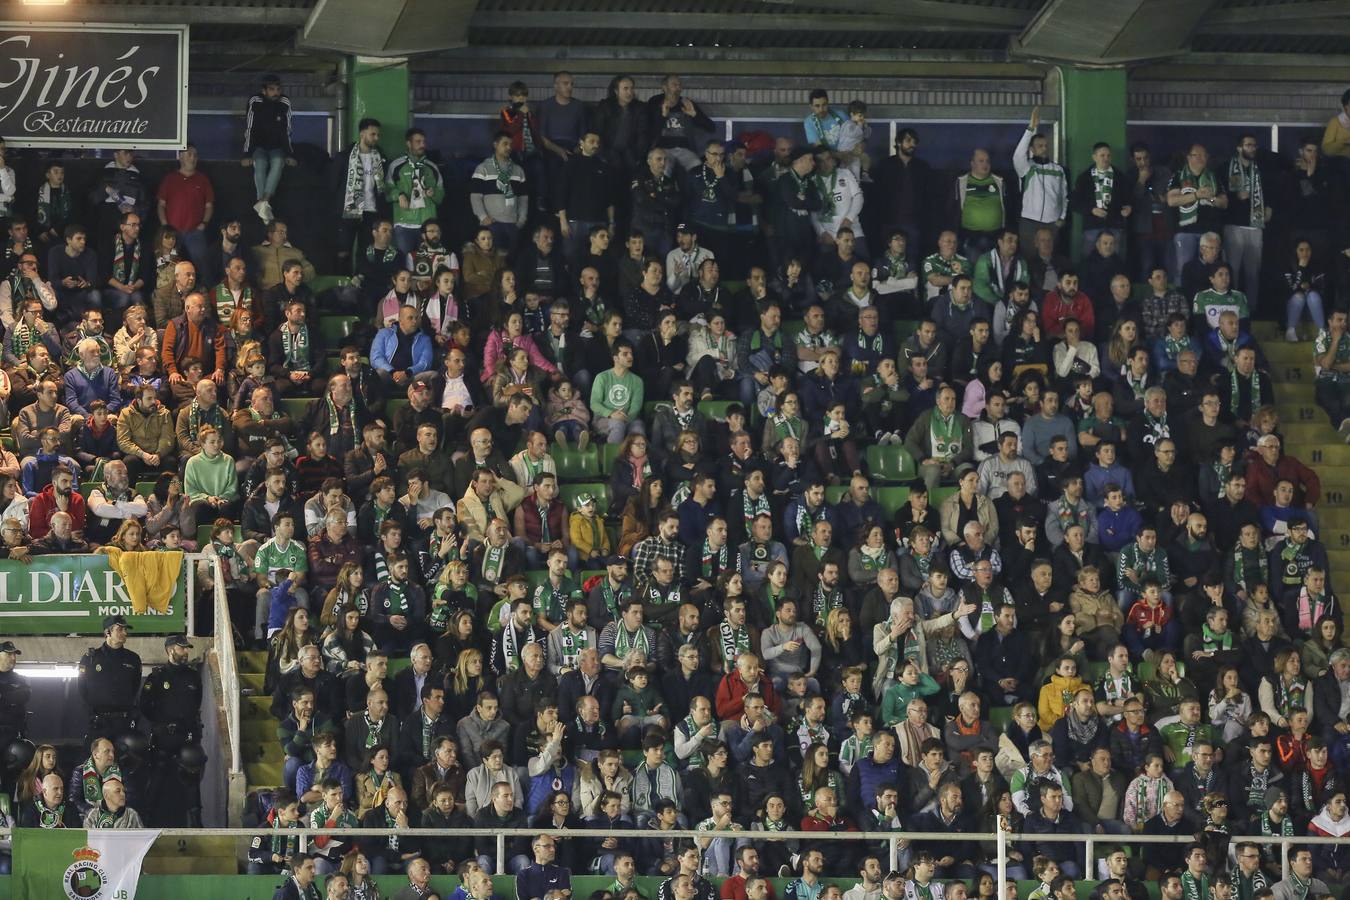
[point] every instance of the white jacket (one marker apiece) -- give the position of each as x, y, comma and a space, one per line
1045, 186
848, 203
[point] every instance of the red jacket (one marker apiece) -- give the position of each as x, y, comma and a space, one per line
1261, 480
1142, 615
41, 507
818, 823
731, 691
1055, 309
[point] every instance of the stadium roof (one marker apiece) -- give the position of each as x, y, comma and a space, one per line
1078, 31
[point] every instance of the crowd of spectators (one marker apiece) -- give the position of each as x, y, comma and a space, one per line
1099, 605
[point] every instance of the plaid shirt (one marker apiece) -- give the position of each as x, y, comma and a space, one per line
648, 550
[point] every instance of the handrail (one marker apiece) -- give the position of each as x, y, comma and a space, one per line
228, 662
893, 838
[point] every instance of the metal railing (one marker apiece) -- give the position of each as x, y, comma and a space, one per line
228, 662
893, 839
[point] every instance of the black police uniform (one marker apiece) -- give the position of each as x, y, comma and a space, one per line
110, 681
14, 696
171, 701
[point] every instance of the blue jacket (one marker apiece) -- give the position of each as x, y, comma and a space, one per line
386, 344
283, 598
1116, 530
36, 471
82, 390
1096, 478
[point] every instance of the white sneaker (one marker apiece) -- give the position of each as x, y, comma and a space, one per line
259, 207
267, 216
1291, 335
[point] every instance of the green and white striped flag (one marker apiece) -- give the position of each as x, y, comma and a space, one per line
78, 864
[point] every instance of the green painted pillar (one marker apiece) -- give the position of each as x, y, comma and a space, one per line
1092, 110
381, 89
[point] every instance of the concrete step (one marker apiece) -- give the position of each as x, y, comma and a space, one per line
192, 856
257, 731
1293, 371
260, 707
252, 680
265, 752
1328, 449
263, 775
253, 661
1303, 436
1281, 352
1293, 392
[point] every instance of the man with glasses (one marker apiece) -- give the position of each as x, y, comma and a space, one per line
22, 285
1133, 738
1248, 879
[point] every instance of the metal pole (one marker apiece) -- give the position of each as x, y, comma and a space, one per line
501, 854
1001, 852
1284, 856
1087, 864
190, 594
894, 843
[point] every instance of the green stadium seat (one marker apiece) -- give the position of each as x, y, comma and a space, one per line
576, 465
890, 463
398, 664
904, 328
714, 409
891, 499
569, 493
87, 487
608, 453
937, 495
536, 577
327, 282
145, 488
204, 534
835, 492
794, 328
393, 405
296, 407
1000, 716
335, 329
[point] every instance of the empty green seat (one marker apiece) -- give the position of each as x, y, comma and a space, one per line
1000, 716
891, 499
714, 409
296, 407
323, 283
835, 492
335, 330
576, 465
608, 453
890, 463
145, 488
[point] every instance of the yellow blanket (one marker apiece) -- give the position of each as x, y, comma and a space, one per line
150, 576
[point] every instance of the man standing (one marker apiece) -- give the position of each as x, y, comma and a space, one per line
1199, 198
415, 188
585, 195
1246, 216
362, 176
186, 202
126, 265
1102, 198
1045, 187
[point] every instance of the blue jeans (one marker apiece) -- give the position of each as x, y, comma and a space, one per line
289, 770
267, 166
407, 237
115, 299
1242, 246
1187, 247
571, 428
194, 244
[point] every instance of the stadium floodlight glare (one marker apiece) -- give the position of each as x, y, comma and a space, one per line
45, 2
48, 670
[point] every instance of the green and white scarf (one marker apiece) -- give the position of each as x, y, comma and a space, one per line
493, 559
573, 642
355, 184
335, 416
125, 271
623, 641
1189, 212
732, 642
397, 602
373, 738
1234, 394
1240, 566
945, 434
1103, 189
826, 192
50, 818
197, 417
295, 344
1246, 176
1212, 641
708, 556
751, 507
503, 176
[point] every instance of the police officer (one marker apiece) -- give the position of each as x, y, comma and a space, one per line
110, 680
14, 696
171, 699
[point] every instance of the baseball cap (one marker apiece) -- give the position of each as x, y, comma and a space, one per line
110, 621
585, 498
8, 647
176, 640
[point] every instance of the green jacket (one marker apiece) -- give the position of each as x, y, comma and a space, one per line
420, 181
